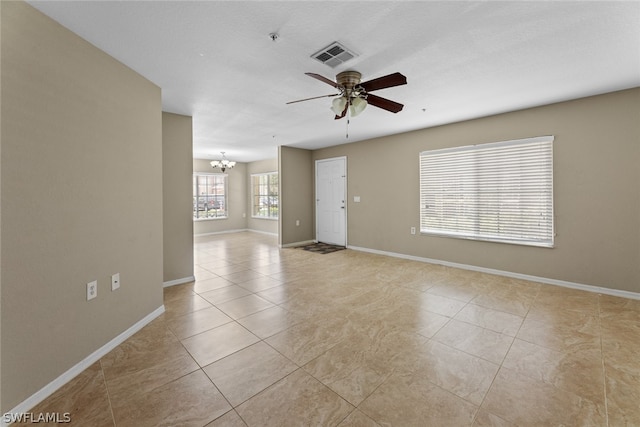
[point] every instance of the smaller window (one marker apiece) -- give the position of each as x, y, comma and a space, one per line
209, 196
264, 194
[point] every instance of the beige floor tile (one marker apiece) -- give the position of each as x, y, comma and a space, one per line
563, 334
247, 372
189, 401
619, 308
203, 274
178, 291
228, 293
84, 400
230, 419
481, 342
413, 344
623, 395
487, 419
460, 373
525, 401
277, 295
412, 400
261, 283
579, 372
358, 419
269, 322
494, 320
297, 400
223, 270
513, 302
172, 366
621, 355
449, 289
269, 269
557, 315
240, 277
564, 299
178, 306
440, 305
409, 320
303, 342
219, 342
355, 367
150, 347
194, 323
211, 262
620, 333
202, 286
244, 306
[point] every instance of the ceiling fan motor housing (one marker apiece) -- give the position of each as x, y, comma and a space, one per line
347, 82
348, 79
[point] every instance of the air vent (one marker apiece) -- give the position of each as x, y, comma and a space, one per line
334, 55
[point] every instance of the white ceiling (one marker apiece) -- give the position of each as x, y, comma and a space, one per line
215, 61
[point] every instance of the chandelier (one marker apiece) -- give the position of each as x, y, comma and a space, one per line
223, 164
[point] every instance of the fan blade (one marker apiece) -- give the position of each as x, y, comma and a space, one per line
395, 79
344, 112
322, 79
384, 103
315, 97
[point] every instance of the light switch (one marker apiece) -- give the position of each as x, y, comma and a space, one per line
356, 199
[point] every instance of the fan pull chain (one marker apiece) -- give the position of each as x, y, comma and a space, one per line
348, 118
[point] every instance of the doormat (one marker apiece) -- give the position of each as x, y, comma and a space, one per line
322, 248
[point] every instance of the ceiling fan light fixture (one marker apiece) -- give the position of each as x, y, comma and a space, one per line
357, 106
338, 104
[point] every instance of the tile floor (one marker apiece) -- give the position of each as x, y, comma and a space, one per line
285, 337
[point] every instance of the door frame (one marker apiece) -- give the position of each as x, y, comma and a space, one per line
346, 199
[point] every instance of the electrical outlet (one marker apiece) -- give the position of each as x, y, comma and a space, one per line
413, 230
92, 290
297, 223
115, 281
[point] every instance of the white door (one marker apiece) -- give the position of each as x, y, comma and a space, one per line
331, 209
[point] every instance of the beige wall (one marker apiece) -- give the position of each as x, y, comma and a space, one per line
236, 199
260, 224
81, 199
177, 165
296, 195
596, 191
0, 216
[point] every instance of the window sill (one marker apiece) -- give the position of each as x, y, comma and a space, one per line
264, 217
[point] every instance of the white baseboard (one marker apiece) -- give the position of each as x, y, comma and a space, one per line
178, 281
75, 370
213, 233
303, 243
546, 280
262, 232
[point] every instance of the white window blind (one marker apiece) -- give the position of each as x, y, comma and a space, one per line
500, 192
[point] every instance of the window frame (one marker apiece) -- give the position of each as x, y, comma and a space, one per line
268, 194
196, 202
476, 193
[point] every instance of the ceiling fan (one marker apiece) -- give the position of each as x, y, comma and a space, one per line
354, 96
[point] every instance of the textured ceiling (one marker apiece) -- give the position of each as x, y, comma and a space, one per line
216, 62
